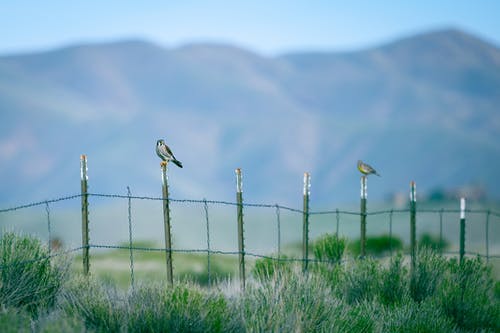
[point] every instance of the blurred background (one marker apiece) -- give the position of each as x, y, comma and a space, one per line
275, 88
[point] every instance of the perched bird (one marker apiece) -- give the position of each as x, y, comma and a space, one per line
165, 153
366, 169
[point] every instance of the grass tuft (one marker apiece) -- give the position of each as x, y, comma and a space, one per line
28, 279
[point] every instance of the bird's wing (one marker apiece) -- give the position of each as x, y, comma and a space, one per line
169, 151
165, 150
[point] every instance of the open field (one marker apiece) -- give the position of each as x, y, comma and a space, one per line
439, 295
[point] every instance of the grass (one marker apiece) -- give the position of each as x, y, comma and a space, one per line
352, 295
377, 245
28, 280
150, 266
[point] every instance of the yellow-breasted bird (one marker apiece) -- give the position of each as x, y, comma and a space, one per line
366, 169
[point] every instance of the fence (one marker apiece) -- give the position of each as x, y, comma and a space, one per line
309, 218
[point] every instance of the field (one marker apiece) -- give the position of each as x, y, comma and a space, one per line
128, 292
109, 226
343, 295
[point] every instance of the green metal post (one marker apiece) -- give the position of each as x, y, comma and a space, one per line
305, 221
487, 240
85, 214
413, 223
241, 239
364, 195
462, 229
166, 223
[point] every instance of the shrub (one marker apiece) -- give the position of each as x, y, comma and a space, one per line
99, 306
298, 303
361, 281
411, 317
329, 247
58, 322
429, 271
181, 308
377, 245
433, 242
28, 279
267, 267
497, 290
14, 320
466, 295
394, 282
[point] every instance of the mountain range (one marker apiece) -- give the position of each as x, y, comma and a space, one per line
423, 108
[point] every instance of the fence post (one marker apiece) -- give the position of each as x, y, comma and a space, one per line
441, 231
205, 208
487, 236
130, 239
241, 239
462, 229
166, 222
305, 221
85, 214
413, 223
363, 216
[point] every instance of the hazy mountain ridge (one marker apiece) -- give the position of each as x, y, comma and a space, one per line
422, 108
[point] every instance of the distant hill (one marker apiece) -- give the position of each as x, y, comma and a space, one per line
424, 108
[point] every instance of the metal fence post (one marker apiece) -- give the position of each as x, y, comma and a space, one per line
130, 239
85, 214
205, 208
413, 223
363, 216
305, 221
166, 222
241, 239
49, 243
462, 229
441, 247
487, 240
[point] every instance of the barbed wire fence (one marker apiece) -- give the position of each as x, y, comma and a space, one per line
308, 216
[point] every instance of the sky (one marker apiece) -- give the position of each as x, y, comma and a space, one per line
268, 27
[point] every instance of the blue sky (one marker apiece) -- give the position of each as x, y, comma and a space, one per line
268, 27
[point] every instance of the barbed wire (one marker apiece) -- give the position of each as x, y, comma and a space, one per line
220, 252
50, 256
259, 205
208, 251
39, 203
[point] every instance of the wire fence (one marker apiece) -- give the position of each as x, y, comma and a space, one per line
285, 232
335, 221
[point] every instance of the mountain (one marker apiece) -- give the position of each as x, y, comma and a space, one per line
422, 108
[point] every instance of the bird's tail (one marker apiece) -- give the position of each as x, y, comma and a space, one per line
178, 163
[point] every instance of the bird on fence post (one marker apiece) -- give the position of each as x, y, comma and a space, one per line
166, 154
366, 169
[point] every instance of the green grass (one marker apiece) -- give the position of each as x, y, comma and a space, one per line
28, 281
355, 295
377, 245
113, 266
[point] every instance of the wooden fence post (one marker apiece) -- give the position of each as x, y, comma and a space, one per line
166, 222
413, 222
241, 239
305, 221
462, 229
85, 214
364, 194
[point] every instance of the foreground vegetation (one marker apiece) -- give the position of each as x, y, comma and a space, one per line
343, 295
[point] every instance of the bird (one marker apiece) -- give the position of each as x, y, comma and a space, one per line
165, 153
366, 169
